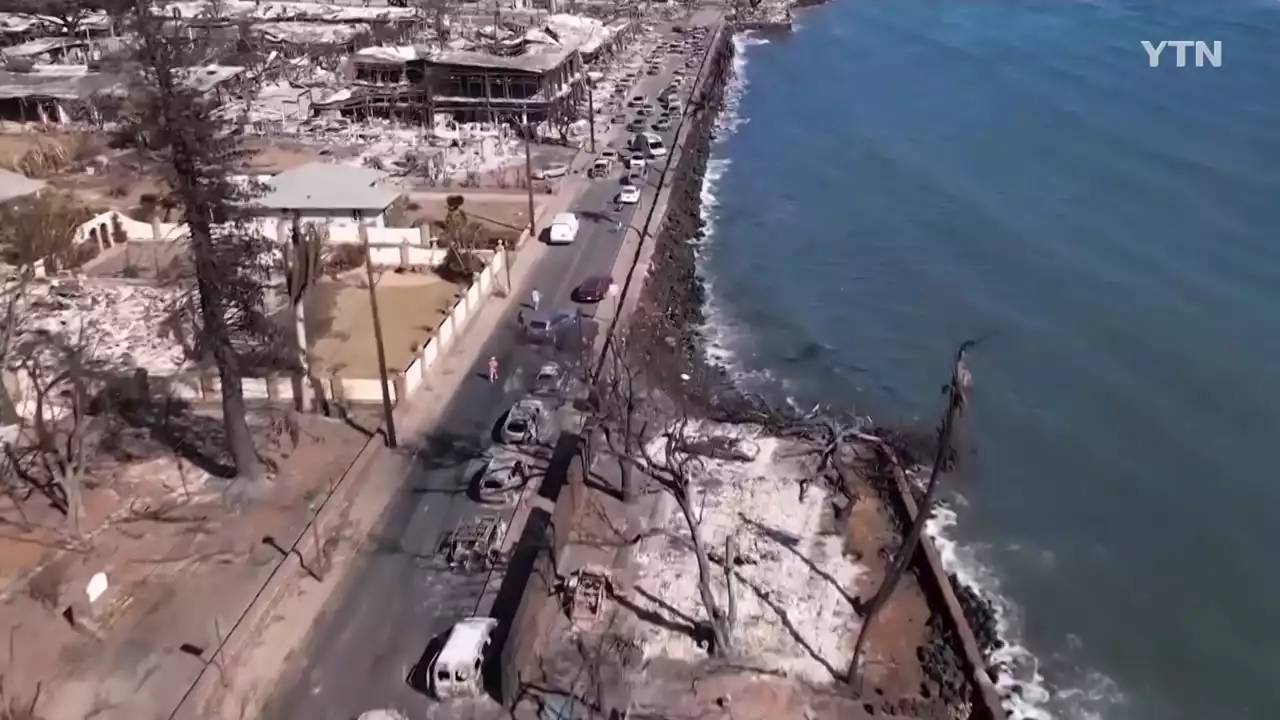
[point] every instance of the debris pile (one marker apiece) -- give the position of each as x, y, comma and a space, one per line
119, 325
792, 581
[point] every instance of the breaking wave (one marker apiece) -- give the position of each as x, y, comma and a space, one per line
1015, 669
720, 333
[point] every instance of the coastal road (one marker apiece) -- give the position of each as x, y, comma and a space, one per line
401, 595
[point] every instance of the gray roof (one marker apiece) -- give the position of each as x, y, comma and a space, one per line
13, 185
42, 46
62, 86
327, 186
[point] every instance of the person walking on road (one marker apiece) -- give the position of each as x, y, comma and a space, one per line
537, 299
493, 369
520, 319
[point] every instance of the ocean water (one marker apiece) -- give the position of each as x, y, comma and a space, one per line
900, 175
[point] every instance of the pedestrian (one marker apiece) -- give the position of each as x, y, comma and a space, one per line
493, 369
520, 319
537, 299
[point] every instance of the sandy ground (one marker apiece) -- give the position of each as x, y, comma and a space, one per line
411, 307
793, 582
178, 556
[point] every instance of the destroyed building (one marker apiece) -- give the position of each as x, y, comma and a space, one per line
62, 94
507, 75
58, 94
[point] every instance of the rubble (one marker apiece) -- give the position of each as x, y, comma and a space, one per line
122, 323
793, 583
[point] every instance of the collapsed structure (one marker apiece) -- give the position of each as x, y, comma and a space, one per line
315, 59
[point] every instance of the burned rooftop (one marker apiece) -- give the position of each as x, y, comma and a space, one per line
534, 50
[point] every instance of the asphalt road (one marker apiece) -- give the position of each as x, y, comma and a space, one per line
402, 594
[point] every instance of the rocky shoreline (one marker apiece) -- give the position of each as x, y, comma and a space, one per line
670, 316
669, 324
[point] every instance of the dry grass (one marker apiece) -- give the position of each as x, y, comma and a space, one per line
411, 307
182, 556
498, 215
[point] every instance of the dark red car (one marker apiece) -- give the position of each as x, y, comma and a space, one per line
593, 289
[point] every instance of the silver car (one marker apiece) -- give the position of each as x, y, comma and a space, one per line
528, 421
501, 473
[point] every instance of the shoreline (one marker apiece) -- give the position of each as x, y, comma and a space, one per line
671, 320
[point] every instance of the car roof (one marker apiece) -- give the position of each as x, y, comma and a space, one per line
563, 219
526, 404
465, 640
549, 369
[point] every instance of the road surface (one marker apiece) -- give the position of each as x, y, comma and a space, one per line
401, 595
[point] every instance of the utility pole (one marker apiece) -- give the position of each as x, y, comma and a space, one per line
388, 418
528, 171
591, 110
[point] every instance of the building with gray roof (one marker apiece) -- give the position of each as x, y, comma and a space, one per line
330, 193
14, 185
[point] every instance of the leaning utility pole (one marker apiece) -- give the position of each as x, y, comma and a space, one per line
957, 401
388, 418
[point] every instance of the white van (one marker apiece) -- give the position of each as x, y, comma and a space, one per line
564, 229
455, 672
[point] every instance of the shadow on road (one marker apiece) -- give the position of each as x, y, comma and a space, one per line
445, 450
537, 537
419, 678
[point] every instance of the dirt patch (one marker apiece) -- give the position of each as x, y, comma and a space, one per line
411, 307
890, 663
510, 213
271, 156
183, 552
498, 216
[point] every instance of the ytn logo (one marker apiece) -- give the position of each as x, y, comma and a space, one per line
1203, 53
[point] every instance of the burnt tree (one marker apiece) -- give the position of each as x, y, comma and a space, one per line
957, 399
66, 15
198, 153
672, 464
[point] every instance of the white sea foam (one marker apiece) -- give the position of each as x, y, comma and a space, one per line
1022, 687
723, 336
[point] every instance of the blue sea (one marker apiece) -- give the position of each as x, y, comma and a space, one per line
897, 176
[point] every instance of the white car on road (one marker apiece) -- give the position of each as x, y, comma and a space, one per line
563, 230
554, 170
630, 195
